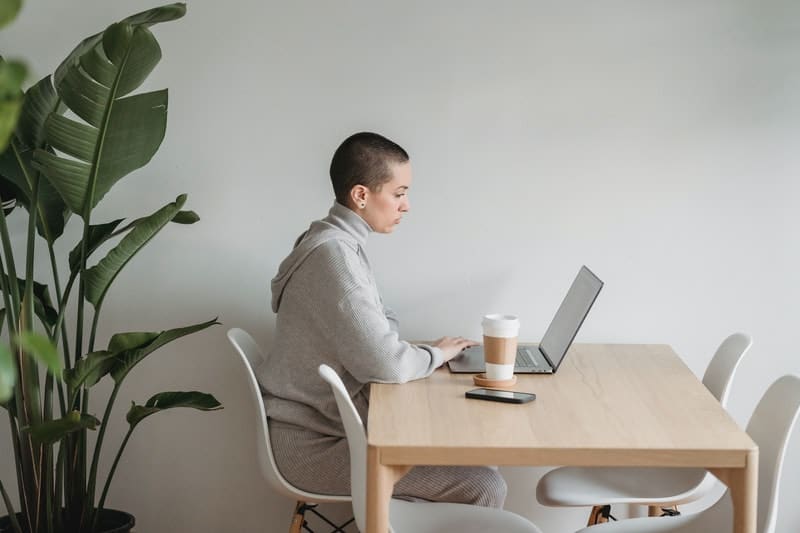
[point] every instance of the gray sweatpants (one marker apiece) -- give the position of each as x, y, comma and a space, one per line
321, 463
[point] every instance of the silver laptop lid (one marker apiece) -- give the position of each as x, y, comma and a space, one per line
570, 316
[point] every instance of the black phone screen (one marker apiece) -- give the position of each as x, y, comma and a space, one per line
500, 395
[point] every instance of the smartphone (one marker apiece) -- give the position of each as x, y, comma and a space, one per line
506, 396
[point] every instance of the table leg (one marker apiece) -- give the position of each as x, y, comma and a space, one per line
380, 483
743, 485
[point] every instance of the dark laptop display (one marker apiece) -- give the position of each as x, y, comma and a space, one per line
547, 356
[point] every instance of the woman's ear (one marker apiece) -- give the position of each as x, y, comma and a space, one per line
359, 195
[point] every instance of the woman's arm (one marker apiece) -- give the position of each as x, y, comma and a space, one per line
391, 316
360, 332
371, 350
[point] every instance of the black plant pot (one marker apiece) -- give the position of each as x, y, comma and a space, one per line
111, 521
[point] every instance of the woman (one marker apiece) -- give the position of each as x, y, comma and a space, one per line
329, 311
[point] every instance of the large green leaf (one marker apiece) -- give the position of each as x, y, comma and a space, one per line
98, 234
10, 175
54, 430
52, 213
131, 340
42, 304
169, 400
41, 100
120, 134
40, 348
8, 373
186, 217
98, 279
130, 358
90, 369
11, 172
145, 18
12, 74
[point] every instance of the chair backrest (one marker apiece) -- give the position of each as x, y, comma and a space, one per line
771, 425
720, 371
356, 442
251, 356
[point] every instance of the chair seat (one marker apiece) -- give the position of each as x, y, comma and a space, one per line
424, 517
580, 487
717, 519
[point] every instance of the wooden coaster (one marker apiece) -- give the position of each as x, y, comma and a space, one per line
482, 381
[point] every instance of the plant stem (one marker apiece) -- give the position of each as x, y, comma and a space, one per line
79, 465
31, 371
4, 283
79, 320
61, 403
27, 301
95, 319
80, 470
47, 487
20, 468
47, 474
108, 479
12, 515
25, 462
13, 310
62, 311
59, 481
82, 287
61, 306
90, 492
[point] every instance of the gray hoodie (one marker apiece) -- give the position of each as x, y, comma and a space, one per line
329, 311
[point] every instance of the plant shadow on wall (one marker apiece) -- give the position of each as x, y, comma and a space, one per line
55, 167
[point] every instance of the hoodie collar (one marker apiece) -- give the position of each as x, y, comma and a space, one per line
348, 221
340, 220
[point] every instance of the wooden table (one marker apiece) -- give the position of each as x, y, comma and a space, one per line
608, 405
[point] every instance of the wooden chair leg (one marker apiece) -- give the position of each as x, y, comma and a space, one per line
298, 518
653, 510
598, 516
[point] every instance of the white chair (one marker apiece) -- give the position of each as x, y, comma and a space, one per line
770, 427
251, 355
655, 487
412, 517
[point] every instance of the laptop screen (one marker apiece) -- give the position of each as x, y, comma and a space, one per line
570, 316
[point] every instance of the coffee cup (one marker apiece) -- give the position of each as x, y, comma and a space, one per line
500, 333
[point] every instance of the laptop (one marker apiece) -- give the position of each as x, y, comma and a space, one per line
546, 357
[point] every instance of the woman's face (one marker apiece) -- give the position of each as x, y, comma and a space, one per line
385, 207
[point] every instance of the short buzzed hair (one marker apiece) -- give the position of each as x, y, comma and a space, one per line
363, 159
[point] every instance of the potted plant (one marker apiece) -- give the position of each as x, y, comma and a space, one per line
56, 165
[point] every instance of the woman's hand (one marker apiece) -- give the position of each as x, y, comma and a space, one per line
452, 346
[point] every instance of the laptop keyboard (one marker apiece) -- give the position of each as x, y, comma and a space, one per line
524, 358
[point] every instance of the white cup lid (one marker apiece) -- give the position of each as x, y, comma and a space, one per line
500, 325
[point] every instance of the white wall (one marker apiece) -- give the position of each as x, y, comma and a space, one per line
655, 142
